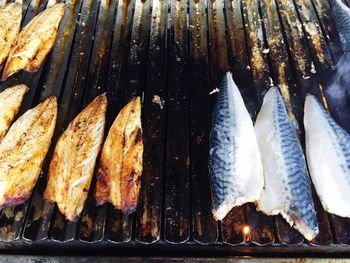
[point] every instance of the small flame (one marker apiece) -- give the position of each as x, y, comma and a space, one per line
246, 230
324, 98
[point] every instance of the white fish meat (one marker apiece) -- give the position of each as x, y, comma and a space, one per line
73, 161
10, 102
235, 166
34, 42
328, 158
287, 188
23, 150
120, 168
10, 25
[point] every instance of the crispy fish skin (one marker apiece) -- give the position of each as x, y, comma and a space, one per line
23, 150
10, 102
235, 167
10, 25
328, 158
287, 188
120, 168
72, 165
34, 42
341, 15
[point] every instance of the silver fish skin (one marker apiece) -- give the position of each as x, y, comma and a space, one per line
341, 15
287, 188
235, 167
328, 158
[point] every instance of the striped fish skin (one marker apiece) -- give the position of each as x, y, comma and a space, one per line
328, 158
73, 161
10, 25
10, 102
23, 150
341, 15
287, 188
235, 167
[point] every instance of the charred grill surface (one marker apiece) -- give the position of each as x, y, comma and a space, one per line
173, 54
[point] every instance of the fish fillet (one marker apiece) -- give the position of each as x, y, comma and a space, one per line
10, 102
341, 16
72, 165
328, 158
10, 24
120, 169
235, 166
23, 150
34, 42
287, 188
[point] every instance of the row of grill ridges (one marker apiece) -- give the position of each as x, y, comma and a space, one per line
174, 227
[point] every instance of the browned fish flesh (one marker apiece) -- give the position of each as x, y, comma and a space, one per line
120, 167
10, 102
23, 150
72, 165
10, 24
34, 42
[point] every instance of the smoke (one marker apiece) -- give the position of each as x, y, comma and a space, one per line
338, 91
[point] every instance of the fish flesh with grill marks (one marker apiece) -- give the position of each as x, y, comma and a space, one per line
120, 168
73, 161
23, 150
287, 189
235, 167
10, 102
34, 42
328, 158
341, 16
10, 25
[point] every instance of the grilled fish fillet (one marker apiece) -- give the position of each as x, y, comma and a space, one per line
74, 158
34, 42
235, 166
10, 24
341, 15
328, 158
23, 150
10, 102
120, 169
287, 188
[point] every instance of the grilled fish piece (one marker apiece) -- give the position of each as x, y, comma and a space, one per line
23, 150
235, 166
341, 15
10, 102
328, 158
74, 158
120, 169
287, 188
34, 42
10, 24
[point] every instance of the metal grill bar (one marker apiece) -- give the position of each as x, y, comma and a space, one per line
177, 52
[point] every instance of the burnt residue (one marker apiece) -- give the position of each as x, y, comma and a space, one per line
182, 64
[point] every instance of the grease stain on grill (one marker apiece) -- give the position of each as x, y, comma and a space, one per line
180, 56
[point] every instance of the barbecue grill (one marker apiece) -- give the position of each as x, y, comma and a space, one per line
174, 54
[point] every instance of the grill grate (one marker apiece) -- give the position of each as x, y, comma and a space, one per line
177, 50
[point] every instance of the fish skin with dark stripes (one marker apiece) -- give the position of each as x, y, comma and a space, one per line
341, 16
287, 188
235, 167
328, 158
